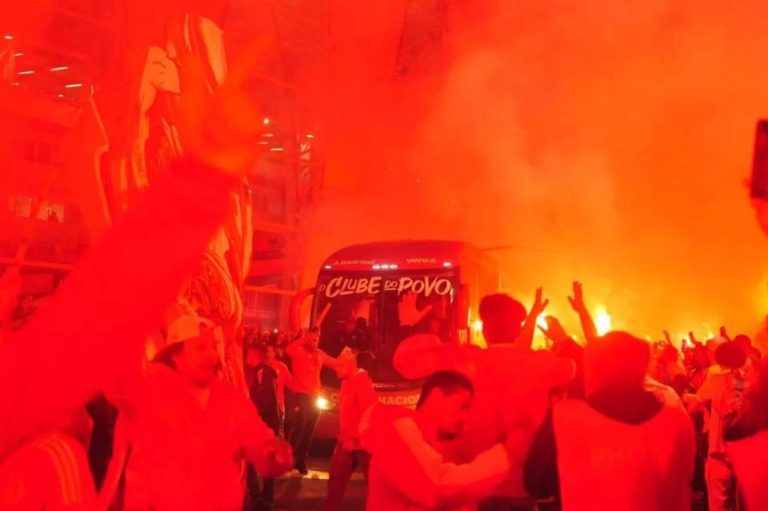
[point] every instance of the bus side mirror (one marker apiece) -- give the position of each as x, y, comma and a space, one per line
462, 308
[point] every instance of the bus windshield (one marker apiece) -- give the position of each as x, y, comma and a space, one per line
363, 310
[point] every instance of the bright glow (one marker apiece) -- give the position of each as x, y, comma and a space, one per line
8, 37
60, 68
310, 135
477, 325
276, 149
322, 403
267, 135
603, 321
73, 85
16, 84
327, 266
18, 54
266, 121
541, 321
447, 264
60, 95
385, 266
263, 142
26, 72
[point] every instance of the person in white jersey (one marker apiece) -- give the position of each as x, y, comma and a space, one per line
622, 447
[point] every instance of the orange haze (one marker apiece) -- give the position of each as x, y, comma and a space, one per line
607, 141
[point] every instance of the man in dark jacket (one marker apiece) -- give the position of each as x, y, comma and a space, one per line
263, 391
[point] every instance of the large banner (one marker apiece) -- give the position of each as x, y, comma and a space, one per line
126, 138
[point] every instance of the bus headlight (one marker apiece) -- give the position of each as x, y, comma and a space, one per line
322, 403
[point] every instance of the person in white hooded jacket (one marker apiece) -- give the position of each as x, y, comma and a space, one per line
408, 471
623, 447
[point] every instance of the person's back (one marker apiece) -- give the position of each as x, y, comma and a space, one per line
622, 448
609, 464
512, 385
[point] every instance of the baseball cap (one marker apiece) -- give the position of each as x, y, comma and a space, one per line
185, 327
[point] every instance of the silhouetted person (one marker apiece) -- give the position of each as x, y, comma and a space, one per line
264, 394
307, 359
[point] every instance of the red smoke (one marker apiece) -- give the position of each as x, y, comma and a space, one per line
608, 141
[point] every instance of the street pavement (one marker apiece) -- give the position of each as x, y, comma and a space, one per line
307, 493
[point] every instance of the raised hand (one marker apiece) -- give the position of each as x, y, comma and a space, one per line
539, 304
525, 338
554, 331
223, 129
408, 311
577, 300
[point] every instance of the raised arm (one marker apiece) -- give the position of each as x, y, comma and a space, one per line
95, 328
577, 302
529, 326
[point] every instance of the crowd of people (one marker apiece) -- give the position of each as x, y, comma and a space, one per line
283, 377
614, 422
611, 423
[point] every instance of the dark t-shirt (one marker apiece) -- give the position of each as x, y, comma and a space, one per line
263, 393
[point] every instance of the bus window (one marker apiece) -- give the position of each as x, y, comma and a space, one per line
363, 313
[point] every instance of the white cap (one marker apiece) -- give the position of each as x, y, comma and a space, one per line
188, 326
